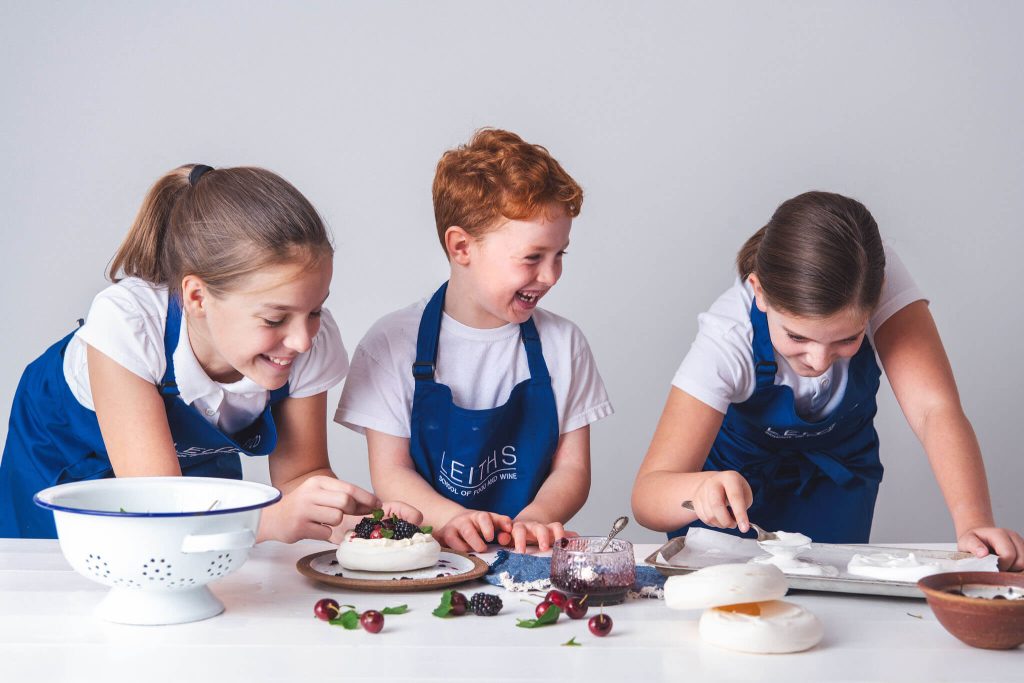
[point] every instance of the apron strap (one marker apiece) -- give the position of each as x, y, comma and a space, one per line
765, 367
426, 339
430, 331
534, 353
172, 330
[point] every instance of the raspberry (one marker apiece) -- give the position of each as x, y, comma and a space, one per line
485, 604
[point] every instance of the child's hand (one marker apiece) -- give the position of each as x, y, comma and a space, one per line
1008, 545
312, 508
403, 511
722, 501
526, 532
472, 530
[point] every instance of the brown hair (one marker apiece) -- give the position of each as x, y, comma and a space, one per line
229, 224
499, 175
819, 253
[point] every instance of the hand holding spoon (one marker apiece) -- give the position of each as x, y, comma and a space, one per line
762, 535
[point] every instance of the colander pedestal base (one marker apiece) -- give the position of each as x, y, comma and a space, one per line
151, 608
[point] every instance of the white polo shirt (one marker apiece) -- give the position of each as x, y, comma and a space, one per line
719, 368
480, 366
126, 322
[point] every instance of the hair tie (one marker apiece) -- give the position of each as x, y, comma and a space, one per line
197, 172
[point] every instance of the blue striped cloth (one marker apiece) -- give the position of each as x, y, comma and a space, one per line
527, 569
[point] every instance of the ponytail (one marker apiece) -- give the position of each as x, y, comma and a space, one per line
221, 225
139, 253
746, 260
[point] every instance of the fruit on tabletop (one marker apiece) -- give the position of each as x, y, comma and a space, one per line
372, 621
543, 607
326, 609
557, 597
576, 608
601, 625
459, 604
485, 604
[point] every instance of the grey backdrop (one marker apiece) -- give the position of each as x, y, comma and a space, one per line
686, 123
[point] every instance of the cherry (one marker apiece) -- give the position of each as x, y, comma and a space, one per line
601, 625
557, 597
459, 604
326, 609
372, 621
542, 608
576, 608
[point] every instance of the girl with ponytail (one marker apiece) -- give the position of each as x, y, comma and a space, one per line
771, 414
212, 343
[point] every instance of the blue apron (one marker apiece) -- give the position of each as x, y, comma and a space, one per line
818, 478
53, 439
494, 459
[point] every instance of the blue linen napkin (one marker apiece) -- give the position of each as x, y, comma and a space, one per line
519, 572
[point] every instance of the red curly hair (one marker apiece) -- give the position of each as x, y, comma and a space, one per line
498, 176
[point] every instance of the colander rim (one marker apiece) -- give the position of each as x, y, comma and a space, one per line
39, 498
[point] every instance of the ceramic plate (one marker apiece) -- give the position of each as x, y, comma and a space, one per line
452, 568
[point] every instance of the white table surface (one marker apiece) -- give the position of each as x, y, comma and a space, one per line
268, 633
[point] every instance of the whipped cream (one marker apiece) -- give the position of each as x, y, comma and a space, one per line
783, 550
388, 554
894, 566
979, 590
787, 544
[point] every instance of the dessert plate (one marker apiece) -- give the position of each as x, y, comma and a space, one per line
452, 568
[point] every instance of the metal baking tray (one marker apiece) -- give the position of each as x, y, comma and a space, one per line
827, 553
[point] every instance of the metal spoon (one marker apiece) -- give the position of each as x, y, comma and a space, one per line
618, 526
762, 535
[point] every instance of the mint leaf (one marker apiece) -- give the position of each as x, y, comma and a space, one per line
401, 609
549, 617
445, 607
378, 514
387, 533
572, 643
348, 620
426, 529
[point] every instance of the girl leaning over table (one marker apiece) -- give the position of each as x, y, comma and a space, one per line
213, 342
771, 413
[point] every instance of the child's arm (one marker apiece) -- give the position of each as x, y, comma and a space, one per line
314, 502
560, 497
132, 419
671, 472
911, 352
393, 474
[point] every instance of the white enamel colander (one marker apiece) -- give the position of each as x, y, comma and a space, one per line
157, 541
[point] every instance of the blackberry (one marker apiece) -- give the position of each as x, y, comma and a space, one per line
365, 527
404, 529
485, 604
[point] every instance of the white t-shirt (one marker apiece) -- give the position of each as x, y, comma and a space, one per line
126, 322
479, 366
719, 368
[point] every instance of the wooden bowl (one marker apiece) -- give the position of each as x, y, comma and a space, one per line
994, 624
